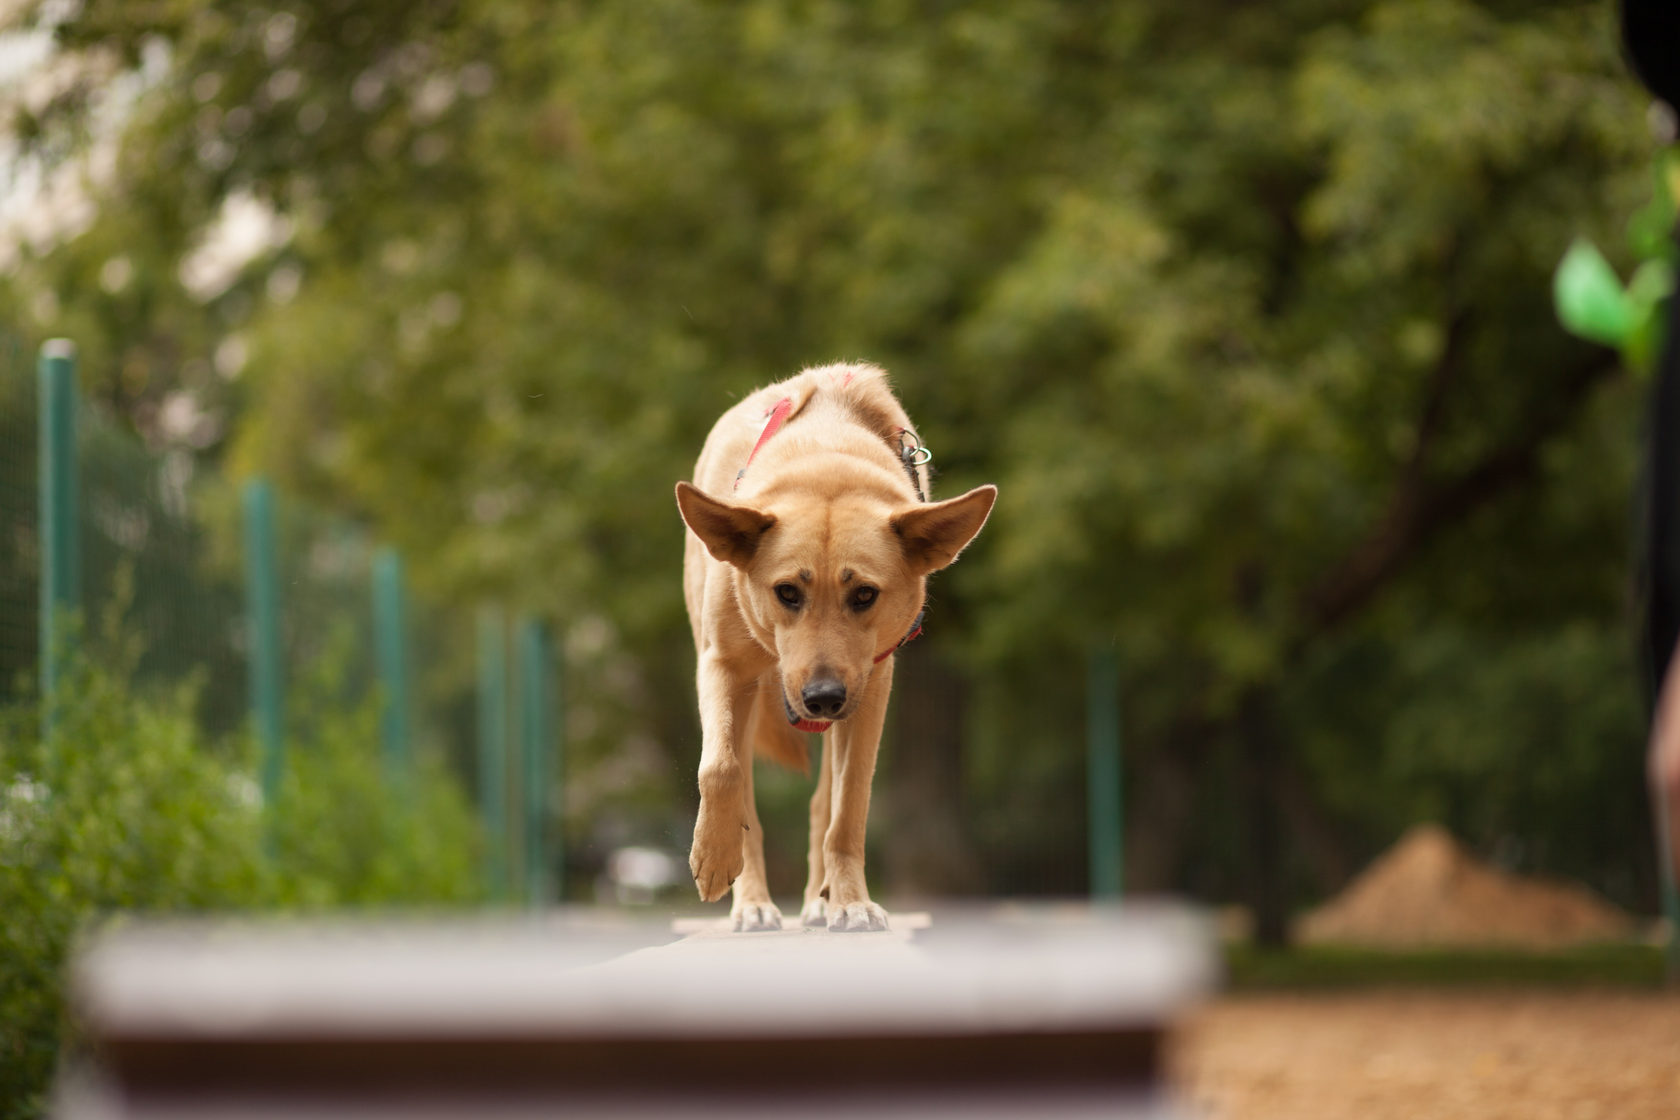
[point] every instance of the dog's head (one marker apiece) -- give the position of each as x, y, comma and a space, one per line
828, 586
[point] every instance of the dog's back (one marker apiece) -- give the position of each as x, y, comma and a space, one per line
827, 406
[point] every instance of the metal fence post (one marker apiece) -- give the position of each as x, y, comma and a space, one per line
536, 732
262, 609
1105, 828
555, 725
390, 614
493, 745
61, 574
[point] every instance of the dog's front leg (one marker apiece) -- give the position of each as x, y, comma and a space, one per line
815, 911
752, 908
854, 743
716, 858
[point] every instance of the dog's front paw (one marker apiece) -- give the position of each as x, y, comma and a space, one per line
716, 859
815, 913
750, 916
857, 917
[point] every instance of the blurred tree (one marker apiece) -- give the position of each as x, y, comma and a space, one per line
1243, 306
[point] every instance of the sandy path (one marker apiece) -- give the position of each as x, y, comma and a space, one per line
1434, 1056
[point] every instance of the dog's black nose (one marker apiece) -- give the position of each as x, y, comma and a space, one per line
824, 697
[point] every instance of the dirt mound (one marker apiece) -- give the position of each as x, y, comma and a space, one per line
1429, 891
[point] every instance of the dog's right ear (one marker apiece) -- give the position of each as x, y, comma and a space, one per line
730, 533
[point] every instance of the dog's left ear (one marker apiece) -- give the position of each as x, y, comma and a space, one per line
730, 533
934, 534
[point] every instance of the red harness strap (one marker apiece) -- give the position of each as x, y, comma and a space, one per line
773, 422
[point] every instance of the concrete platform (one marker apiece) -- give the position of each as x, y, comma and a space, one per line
1005, 1011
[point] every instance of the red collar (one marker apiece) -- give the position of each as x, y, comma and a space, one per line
914, 633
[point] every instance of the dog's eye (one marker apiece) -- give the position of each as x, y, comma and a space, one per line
788, 594
863, 598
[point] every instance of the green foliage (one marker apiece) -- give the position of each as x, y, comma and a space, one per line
1520, 744
343, 837
130, 811
125, 811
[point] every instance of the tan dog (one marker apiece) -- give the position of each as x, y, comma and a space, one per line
805, 569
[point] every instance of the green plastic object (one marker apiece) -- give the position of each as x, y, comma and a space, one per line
1589, 297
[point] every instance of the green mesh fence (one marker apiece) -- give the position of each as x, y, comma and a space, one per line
328, 625
444, 663
166, 581
157, 570
324, 566
162, 547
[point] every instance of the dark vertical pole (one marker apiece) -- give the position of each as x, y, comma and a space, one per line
1666, 875
262, 606
390, 612
493, 746
536, 733
61, 574
1106, 834
1264, 853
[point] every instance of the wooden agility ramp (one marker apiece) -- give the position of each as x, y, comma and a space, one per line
1045, 1012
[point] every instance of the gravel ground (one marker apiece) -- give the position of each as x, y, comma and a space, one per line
1434, 1056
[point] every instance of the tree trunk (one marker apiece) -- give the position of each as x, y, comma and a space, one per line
1160, 817
1261, 765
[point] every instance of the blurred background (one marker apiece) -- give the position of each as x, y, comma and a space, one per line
1245, 308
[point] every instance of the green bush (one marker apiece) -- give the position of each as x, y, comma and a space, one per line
126, 810
131, 810
341, 838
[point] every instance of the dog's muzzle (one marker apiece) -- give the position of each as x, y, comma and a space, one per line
802, 723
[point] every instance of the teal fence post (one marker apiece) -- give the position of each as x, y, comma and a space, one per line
262, 607
536, 732
1105, 829
493, 746
61, 574
390, 614
555, 725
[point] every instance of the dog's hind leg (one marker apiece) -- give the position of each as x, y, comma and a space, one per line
815, 911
